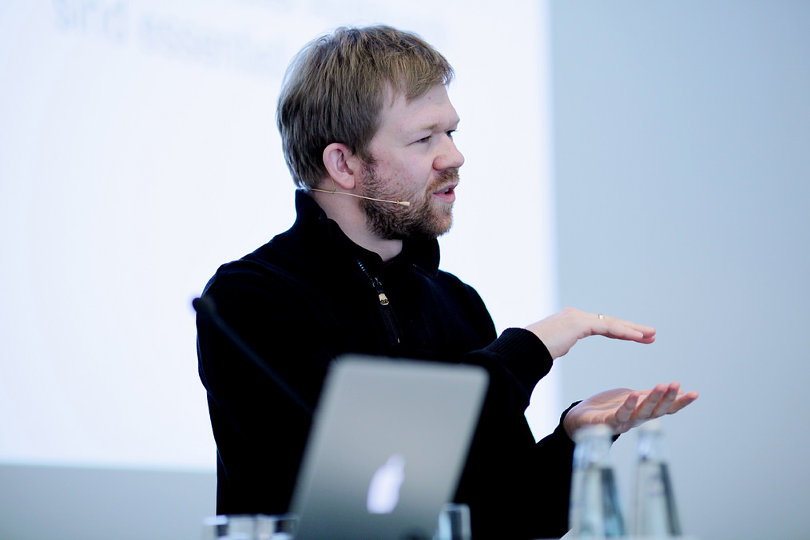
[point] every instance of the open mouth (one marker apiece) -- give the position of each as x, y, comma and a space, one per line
447, 194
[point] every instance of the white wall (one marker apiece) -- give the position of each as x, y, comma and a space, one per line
138, 151
682, 131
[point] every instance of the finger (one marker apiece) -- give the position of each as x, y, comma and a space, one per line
666, 400
610, 319
682, 401
625, 411
616, 330
647, 331
613, 327
647, 406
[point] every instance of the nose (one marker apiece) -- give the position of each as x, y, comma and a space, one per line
449, 156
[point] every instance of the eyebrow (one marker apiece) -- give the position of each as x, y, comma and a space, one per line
432, 127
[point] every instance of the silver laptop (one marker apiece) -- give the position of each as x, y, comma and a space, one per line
388, 442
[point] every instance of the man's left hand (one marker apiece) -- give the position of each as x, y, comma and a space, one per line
623, 409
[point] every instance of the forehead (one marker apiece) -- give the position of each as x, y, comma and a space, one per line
432, 110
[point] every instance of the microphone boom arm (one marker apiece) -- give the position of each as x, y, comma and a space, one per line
205, 307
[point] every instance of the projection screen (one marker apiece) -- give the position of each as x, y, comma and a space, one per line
138, 152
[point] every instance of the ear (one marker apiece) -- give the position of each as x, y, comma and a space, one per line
342, 165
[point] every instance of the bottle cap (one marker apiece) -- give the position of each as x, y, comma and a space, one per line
651, 426
592, 430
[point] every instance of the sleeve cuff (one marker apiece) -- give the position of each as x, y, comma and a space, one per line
523, 354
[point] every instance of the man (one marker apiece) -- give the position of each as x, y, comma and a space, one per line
366, 126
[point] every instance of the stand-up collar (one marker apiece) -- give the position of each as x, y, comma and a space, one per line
423, 253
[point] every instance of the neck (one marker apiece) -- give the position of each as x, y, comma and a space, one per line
351, 219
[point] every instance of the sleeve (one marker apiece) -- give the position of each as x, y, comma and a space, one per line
516, 359
260, 434
508, 473
554, 458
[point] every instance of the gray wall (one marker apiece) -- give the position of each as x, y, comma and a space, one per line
73, 503
682, 165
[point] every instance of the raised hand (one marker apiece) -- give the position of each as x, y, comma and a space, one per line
623, 409
562, 330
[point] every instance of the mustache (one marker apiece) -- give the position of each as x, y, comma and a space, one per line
447, 176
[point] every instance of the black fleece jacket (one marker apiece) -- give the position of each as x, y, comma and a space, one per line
309, 295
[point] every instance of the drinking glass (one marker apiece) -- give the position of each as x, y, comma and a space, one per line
454, 522
249, 527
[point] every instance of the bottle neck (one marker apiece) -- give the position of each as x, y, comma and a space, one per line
592, 448
650, 446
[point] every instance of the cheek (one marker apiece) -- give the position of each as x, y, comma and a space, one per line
414, 175
398, 176
408, 172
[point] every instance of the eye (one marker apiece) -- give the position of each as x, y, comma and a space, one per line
450, 133
424, 139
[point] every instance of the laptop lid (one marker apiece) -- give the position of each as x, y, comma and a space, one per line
388, 442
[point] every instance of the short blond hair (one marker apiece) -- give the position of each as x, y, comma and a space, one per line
334, 90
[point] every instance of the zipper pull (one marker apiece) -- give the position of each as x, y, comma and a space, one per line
376, 283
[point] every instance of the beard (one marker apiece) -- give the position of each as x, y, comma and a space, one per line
421, 219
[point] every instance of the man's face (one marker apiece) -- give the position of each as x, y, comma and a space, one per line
415, 160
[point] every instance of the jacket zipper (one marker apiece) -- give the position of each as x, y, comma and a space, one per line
385, 309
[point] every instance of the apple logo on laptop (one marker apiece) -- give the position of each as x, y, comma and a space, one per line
383, 491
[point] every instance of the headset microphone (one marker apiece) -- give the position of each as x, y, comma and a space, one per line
335, 192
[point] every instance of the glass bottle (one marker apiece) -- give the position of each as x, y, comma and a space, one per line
595, 511
654, 513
